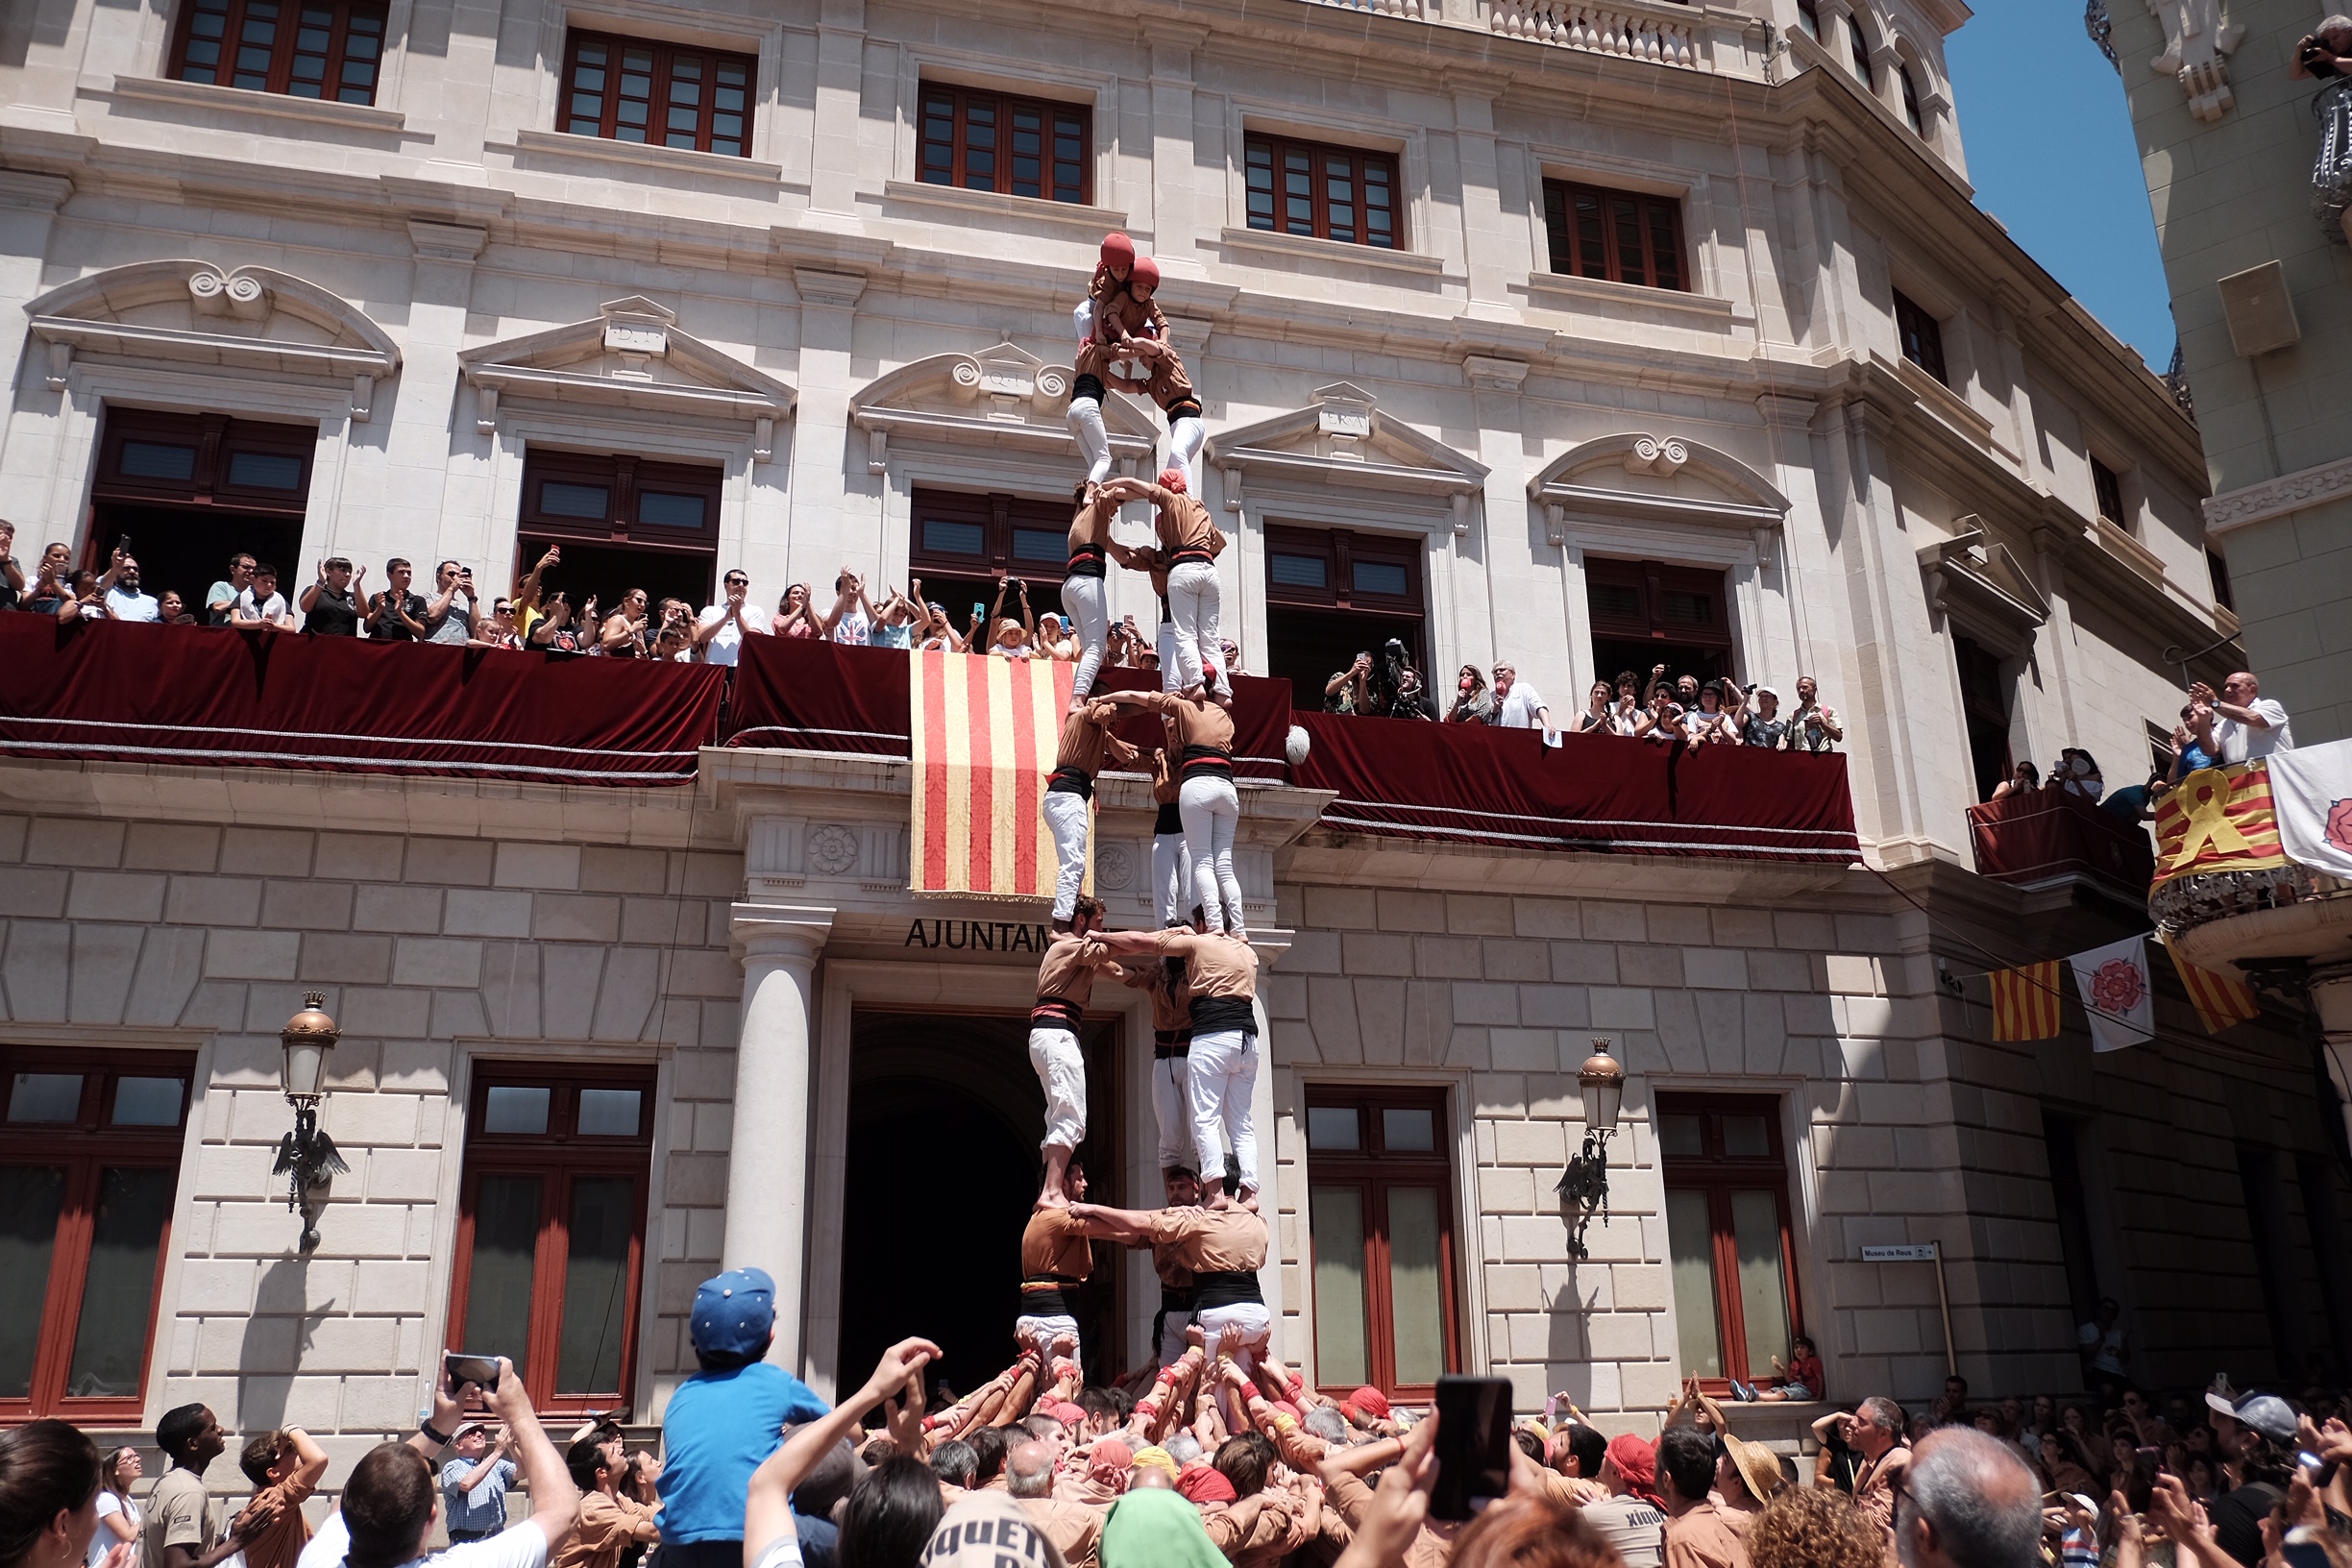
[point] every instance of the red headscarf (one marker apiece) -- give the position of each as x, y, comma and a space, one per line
1205, 1484
1366, 1404
1636, 1459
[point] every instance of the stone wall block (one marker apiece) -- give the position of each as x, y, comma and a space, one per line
349, 1345
1381, 1017
74, 840
1506, 960
705, 1233
450, 863
1429, 1024
391, 1287
632, 977
252, 955
397, 1014
1513, 1287
1505, 1190
551, 866
1868, 934
1531, 1238
1768, 968
1680, 925
238, 1170
1375, 953
1741, 928
1471, 1049
35, 891
1556, 1007
1585, 963
215, 1004
1313, 952
614, 869
14, 825
510, 987
401, 1175
1478, 915
701, 971
485, 912
215, 900
1524, 1050
360, 857
1482, 1003
217, 1284
359, 1120
1803, 931
105, 962
1616, 1007
457, 1015
242, 1346
575, 916
305, 1286
1284, 996
424, 961
569, 973
702, 1075
1639, 963
1614, 923
135, 896
1640, 1286
355, 958
1646, 1390
309, 906
380, 907
1721, 1038
1450, 958
35, 970
1547, 917
1530, 1143
708, 875
1340, 909
1409, 909
269, 851
170, 963
382, 1405
1620, 1336
1715, 969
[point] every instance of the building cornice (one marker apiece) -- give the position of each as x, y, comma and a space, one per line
2282, 497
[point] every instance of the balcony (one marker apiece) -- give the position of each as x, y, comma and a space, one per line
1689, 37
2228, 892
2046, 837
206, 697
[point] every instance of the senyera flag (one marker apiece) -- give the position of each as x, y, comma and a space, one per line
982, 734
2026, 1002
2217, 820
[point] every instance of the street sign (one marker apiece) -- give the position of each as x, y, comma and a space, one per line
1908, 1251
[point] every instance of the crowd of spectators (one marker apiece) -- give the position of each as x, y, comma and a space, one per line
2236, 724
1212, 1460
1666, 708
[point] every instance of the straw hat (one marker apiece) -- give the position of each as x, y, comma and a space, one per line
1758, 1466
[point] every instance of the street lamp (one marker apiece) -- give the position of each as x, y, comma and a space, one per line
1585, 1184
306, 1156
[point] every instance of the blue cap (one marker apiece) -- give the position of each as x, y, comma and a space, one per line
735, 1312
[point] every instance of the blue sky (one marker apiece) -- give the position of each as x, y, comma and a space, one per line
2051, 153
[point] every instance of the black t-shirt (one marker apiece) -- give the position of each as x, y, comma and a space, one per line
2237, 1519
334, 614
386, 623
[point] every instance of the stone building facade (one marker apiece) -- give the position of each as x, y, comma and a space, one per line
1862, 439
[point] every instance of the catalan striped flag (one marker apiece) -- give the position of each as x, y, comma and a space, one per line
2026, 1002
2221, 998
2217, 820
984, 734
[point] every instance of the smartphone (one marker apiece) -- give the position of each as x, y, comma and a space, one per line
979, 610
1473, 1444
123, 544
459, 1369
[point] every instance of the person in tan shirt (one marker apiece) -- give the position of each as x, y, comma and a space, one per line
1086, 742
1170, 992
1057, 1255
284, 1467
1171, 864
1221, 1072
1698, 1534
1224, 1249
608, 1522
1084, 586
1096, 326
1207, 803
1065, 977
1076, 1528
1192, 542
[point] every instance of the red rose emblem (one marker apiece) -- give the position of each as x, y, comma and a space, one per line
2339, 825
2117, 988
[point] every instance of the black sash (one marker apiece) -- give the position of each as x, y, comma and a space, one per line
1049, 1295
1085, 561
1214, 1015
1056, 1013
1207, 762
1225, 1289
1075, 781
1170, 820
1191, 552
1171, 1042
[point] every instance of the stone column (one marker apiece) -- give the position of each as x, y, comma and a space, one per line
767, 1202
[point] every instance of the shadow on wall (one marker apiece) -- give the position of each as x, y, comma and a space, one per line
277, 1336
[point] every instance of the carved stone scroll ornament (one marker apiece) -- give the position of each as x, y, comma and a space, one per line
2197, 45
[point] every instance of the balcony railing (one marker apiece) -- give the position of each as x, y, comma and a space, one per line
1599, 29
2047, 835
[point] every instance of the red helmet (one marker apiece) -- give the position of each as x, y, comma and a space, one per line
1145, 274
1173, 478
1118, 250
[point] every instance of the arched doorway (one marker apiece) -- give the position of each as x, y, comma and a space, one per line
942, 1169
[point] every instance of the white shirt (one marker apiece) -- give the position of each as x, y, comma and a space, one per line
272, 609
726, 643
523, 1545
785, 1552
104, 1540
132, 605
1517, 709
853, 629
2244, 743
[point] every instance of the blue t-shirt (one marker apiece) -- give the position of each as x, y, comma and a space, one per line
717, 1429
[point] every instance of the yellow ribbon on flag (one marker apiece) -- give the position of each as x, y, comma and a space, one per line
2205, 794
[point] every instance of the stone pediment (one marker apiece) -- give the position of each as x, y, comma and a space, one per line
1981, 575
1003, 397
1342, 437
1665, 478
193, 313
631, 355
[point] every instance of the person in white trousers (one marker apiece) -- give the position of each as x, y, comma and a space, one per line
1192, 543
1109, 315
1069, 796
1171, 861
1205, 800
1083, 588
1066, 976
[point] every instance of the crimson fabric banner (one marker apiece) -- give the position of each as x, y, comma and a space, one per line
119, 692
2042, 834
1472, 784
804, 695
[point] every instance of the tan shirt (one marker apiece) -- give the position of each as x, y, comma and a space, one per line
1067, 971
1167, 778
1119, 315
1171, 1001
1703, 1538
180, 1512
1216, 966
1210, 1240
281, 1541
1074, 1526
1086, 736
1091, 525
1183, 522
606, 1525
1197, 723
1053, 1243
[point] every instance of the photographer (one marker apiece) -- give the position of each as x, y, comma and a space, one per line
1400, 693
445, 619
1350, 690
2324, 53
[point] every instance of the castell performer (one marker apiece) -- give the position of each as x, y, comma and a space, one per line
1085, 738
1163, 981
1223, 1247
1222, 1071
1065, 975
1110, 316
1171, 857
1206, 802
1153, 561
1193, 543
1168, 385
1083, 588
1055, 1261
